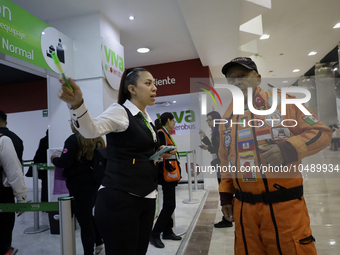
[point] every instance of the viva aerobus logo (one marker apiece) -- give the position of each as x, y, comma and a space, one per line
114, 60
209, 93
189, 118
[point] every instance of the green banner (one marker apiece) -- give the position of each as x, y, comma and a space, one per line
20, 34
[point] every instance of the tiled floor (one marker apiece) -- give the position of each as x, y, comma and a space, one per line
322, 194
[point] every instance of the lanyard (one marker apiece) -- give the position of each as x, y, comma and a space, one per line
167, 132
148, 125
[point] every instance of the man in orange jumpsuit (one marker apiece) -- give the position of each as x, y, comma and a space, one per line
269, 209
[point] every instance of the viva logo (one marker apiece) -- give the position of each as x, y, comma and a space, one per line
189, 116
209, 93
113, 59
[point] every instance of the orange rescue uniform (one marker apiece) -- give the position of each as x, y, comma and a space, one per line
269, 210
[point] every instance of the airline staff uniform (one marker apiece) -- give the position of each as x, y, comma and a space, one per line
12, 185
269, 210
125, 205
164, 223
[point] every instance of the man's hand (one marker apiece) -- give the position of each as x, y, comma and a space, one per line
75, 98
227, 211
20, 213
21, 202
272, 155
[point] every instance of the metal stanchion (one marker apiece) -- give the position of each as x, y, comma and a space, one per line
190, 200
36, 227
66, 223
195, 174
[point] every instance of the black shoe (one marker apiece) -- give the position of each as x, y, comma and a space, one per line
223, 224
172, 236
156, 241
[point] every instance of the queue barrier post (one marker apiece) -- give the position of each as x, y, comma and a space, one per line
36, 227
67, 235
195, 173
67, 223
190, 200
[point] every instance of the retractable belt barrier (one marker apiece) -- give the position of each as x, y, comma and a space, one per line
30, 207
66, 221
35, 167
187, 155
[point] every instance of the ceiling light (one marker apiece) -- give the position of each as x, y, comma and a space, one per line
335, 69
264, 37
312, 53
296, 70
174, 102
143, 50
285, 82
131, 18
337, 25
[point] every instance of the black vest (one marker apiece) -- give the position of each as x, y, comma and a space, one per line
128, 167
17, 142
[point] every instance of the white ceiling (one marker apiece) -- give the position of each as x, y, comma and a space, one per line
177, 30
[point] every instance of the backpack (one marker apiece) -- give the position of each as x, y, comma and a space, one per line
99, 164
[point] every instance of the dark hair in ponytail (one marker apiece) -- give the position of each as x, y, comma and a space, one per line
129, 77
163, 119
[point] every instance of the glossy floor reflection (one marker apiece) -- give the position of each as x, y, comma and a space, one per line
322, 194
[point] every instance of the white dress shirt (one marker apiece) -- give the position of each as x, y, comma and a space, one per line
113, 119
12, 175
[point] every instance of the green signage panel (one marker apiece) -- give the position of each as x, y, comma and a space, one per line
21, 34
24, 36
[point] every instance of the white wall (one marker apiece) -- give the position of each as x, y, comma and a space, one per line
85, 31
30, 126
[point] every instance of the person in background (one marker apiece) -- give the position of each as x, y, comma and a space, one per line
76, 159
41, 157
168, 176
17, 142
336, 137
213, 146
333, 144
12, 185
125, 205
269, 208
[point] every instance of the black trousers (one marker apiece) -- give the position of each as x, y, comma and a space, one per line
164, 223
7, 220
124, 221
84, 191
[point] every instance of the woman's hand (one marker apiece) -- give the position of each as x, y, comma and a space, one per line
75, 98
204, 147
168, 154
52, 157
202, 134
